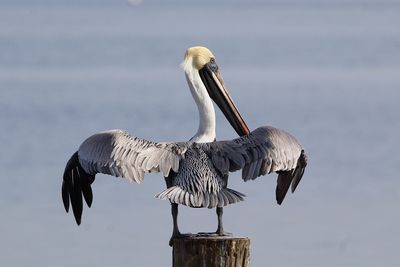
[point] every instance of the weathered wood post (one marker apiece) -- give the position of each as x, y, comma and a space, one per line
211, 251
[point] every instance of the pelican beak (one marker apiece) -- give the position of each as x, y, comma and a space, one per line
214, 83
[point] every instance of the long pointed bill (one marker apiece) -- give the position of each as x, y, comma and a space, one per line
215, 86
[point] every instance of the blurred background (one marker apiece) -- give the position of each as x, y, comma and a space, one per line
326, 71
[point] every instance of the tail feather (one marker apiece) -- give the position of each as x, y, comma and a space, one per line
76, 183
222, 198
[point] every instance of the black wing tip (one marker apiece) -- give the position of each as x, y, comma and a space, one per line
280, 195
283, 184
89, 204
65, 196
87, 194
76, 183
78, 221
287, 178
301, 166
78, 218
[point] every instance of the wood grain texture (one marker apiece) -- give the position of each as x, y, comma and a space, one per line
201, 251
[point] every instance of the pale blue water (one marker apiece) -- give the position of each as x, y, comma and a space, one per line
326, 71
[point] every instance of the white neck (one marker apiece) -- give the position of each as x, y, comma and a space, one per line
206, 130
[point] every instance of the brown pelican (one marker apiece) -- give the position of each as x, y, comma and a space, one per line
196, 172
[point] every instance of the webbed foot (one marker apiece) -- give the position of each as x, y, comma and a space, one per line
222, 233
217, 233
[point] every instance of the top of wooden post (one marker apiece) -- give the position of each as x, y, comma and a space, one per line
210, 251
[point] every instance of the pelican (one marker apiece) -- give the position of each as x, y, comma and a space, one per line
196, 172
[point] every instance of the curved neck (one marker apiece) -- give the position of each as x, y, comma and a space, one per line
206, 130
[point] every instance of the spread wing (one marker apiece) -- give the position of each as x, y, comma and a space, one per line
263, 151
119, 154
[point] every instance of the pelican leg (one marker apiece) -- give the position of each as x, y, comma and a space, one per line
175, 232
220, 229
174, 211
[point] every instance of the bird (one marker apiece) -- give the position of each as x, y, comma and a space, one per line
196, 171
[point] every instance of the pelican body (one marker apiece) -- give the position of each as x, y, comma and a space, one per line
196, 172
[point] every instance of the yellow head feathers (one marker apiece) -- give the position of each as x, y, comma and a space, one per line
199, 56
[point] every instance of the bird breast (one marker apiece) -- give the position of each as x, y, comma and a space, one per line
197, 173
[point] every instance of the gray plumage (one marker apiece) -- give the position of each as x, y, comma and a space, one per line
119, 154
199, 171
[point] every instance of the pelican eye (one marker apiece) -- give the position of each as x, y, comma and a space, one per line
213, 65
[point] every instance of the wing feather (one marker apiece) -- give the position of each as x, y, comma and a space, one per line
119, 154
263, 151
115, 152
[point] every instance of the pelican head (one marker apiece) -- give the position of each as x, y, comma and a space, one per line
200, 62
199, 55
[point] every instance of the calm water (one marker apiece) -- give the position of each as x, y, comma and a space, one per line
326, 71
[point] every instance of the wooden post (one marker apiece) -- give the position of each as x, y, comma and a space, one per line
211, 251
